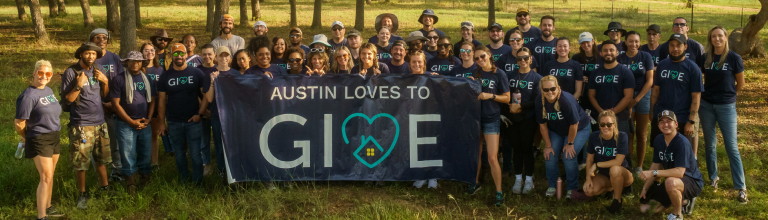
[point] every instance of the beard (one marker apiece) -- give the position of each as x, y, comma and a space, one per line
179, 62
546, 34
609, 59
495, 40
226, 30
677, 58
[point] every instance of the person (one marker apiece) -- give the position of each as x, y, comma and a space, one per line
259, 46
223, 59
519, 124
318, 63
444, 62
397, 64
565, 128
242, 61
295, 36
641, 64
295, 58
110, 63
417, 64
614, 33
611, 87
723, 79
529, 32
494, 91
278, 52
369, 65
226, 38
387, 20
37, 124
678, 87
415, 41
431, 48
133, 96
543, 47
508, 61
588, 58
190, 42
384, 46
672, 160
467, 35
83, 87
153, 71
652, 47
337, 32
355, 42
320, 44
179, 89
260, 28
428, 19
468, 66
497, 46
607, 167
694, 50
160, 40
567, 71
207, 67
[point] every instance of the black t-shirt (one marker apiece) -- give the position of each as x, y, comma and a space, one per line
678, 154
543, 51
41, 109
443, 66
720, 82
183, 89
139, 107
606, 150
639, 65
567, 74
560, 121
609, 85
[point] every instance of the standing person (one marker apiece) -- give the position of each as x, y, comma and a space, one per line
673, 160
295, 36
678, 88
37, 124
641, 64
444, 62
415, 41
337, 32
207, 67
226, 38
508, 61
428, 19
160, 40
543, 48
611, 87
431, 47
467, 35
223, 59
723, 79
260, 28
397, 64
342, 61
387, 20
384, 46
262, 58
179, 90
497, 46
110, 63
468, 66
83, 87
132, 95
295, 58
567, 71
318, 64
278, 52
694, 50
652, 47
153, 70
609, 147
529, 32
190, 42
588, 57
565, 128
369, 65
615, 33
519, 130
355, 42
494, 91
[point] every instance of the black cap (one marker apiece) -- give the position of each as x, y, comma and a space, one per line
678, 37
654, 27
495, 25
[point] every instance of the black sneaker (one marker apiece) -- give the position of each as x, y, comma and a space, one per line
615, 207
688, 208
473, 188
43, 218
82, 201
743, 196
53, 212
499, 199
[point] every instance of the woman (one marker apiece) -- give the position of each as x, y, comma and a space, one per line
223, 58
444, 62
565, 128
384, 46
369, 65
607, 165
389, 21
295, 58
262, 58
519, 124
641, 64
493, 92
343, 63
508, 62
242, 61
588, 57
567, 71
318, 64
467, 36
153, 70
278, 52
467, 67
193, 60
37, 124
417, 65
723, 79
431, 48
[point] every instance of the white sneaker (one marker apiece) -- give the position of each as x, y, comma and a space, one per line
432, 184
419, 183
517, 188
550, 192
528, 187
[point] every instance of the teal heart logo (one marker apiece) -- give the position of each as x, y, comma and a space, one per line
139, 86
674, 74
633, 67
365, 140
183, 80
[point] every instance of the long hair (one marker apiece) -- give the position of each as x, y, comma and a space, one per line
154, 62
336, 66
323, 57
487, 51
615, 127
710, 50
553, 79
274, 43
418, 54
371, 47
449, 48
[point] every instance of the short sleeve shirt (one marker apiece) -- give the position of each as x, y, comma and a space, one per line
111, 64
609, 85
41, 109
532, 34
720, 80
138, 108
543, 51
443, 66
560, 120
606, 150
183, 89
676, 82
639, 65
494, 83
87, 109
568, 73
497, 53
677, 154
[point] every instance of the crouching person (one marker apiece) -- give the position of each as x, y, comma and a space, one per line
607, 166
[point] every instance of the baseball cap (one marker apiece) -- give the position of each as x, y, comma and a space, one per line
678, 37
223, 49
522, 10
353, 32
495, 25
260, 23
667, 114
337, 23
654, 27
585, 37
178, 47
467, 25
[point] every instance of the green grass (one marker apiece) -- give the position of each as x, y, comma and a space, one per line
165, 198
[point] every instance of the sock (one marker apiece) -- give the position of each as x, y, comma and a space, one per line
529, 178
518, 177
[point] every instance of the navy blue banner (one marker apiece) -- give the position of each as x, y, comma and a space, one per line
346, 127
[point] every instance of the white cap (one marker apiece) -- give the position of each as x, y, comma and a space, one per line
335, 23
585, 37
260, 23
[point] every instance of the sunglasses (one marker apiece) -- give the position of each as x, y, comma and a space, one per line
465, 50
46, 74
552, 89
294, 35
679, 25
164, 39
523, 58
522, 15
481, 57
613, 30
606, 125
337, 29
433, 37
179, 54
317, 50
515, 39
444, 45
294, 60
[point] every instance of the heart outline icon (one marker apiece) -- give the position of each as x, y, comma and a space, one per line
364, 140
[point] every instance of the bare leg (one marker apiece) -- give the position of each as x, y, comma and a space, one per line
54, 160
600, 185
101, 170
492, 148
619, 180
44, 169
479, 161
675, 188
641, 133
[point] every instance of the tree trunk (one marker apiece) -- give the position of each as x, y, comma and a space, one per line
491, 12
368, 2
316, 17
37, 21
62, 7
243, 13
100, 2
222, 7
53, 8
210, 7
255, 9
20, 8
360, 15
113, 15
745, 41
293, 13
137, 10
127, 27
87, 17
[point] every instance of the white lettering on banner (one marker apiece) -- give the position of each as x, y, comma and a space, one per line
303, 160
330, 92
414, 141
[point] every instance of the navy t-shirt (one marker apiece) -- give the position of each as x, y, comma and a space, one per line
497, 53
543, 51
559, 121
606, 150
41, 109
527, 84
383, 54
194, 61
212, 106
676, 81
567, 74
280, 62
183, 89
609, 85
336, 46
508, 63
639, 65
457, 46
678, 154
154, 73
460, 71
443, 66
400, 70
274, 69
720, 82
86, 110
694, 51
655, 54
532, 34
383, 68
139, 106
111, 64
494, 83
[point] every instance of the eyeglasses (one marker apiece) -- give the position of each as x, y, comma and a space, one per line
317, 50
179, 54
523, 58
294, 35
444, 45
522, 15
613, 30
551, 89
433, 37
679, 25
149, 50
515, 39
337, 29
164, 39
465, 50
606, 125
46, 74
294, 60
481, 57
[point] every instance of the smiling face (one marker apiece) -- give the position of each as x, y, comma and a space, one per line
606, 125
295, 61
367, 56
263, 57
523, 19
338, 32
354, 42
100, 40
633, 42
190, 42
717, 38
443, 47
342, 57
563, 48
667, 126
482, 59
387, 22
316, 61
432, 38
547, 87
466, 33
516, 41
42, 76
466, 53
279, 46
547, 26
680, 26
384, 36
524, 59
428, 20
615, 36
495, 34
587, 46
417, 64
398, 52
609, 53
226, 25
224, 59
208, 55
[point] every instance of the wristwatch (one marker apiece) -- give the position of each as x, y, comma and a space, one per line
77, 88
691, 121
655, 173
570, 143
494, 97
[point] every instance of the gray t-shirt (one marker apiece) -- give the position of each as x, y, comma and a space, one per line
234, 43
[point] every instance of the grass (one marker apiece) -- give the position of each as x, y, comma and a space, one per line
165, 198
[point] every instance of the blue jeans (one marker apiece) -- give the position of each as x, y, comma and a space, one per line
218, 144
206, 141
571, 165
725, 116
135, 148
114, 146
182, 135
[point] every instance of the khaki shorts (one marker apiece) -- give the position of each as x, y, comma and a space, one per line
89, 143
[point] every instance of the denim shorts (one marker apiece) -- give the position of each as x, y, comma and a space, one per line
644, 106
491, 127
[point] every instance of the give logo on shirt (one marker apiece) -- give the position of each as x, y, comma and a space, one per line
180, 81
554, 116
465, 75
153, 77
635, 66
667, 157
496, 57
523, 84
45, 100
561, 72
672, 74
589, 67
384, 56
605, 151
436, 68
488, 83
109, 68
715, 66
607, 79
139, 86
511, 67
544, 50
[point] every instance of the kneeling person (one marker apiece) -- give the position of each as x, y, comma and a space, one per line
606, 161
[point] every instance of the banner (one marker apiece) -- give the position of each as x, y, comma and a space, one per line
346, 127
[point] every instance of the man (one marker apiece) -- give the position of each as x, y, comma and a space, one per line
416, 41
180, 89
677, 87
207, 68
612, 86
653, 48
428, 19
523, 19
295, 36
389, 21
674, 161
337, 32
694, 49
160, 40
133, 98
398, 64
497, 47
260, 28
226, 38
83, 85
615, 33
355, 41
543, 48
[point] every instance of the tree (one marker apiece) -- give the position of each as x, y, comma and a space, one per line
244, 13
37, 21
53, 8
745, 41
256, 9
222, 7
316, 21
113, 15
20, 8
210, 7
87, 17
293, 13
137, 9
62, 7
128, 27
491, 12
360, 15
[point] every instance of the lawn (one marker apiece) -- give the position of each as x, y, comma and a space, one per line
165, 198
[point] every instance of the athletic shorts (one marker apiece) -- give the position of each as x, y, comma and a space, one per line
44, 145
